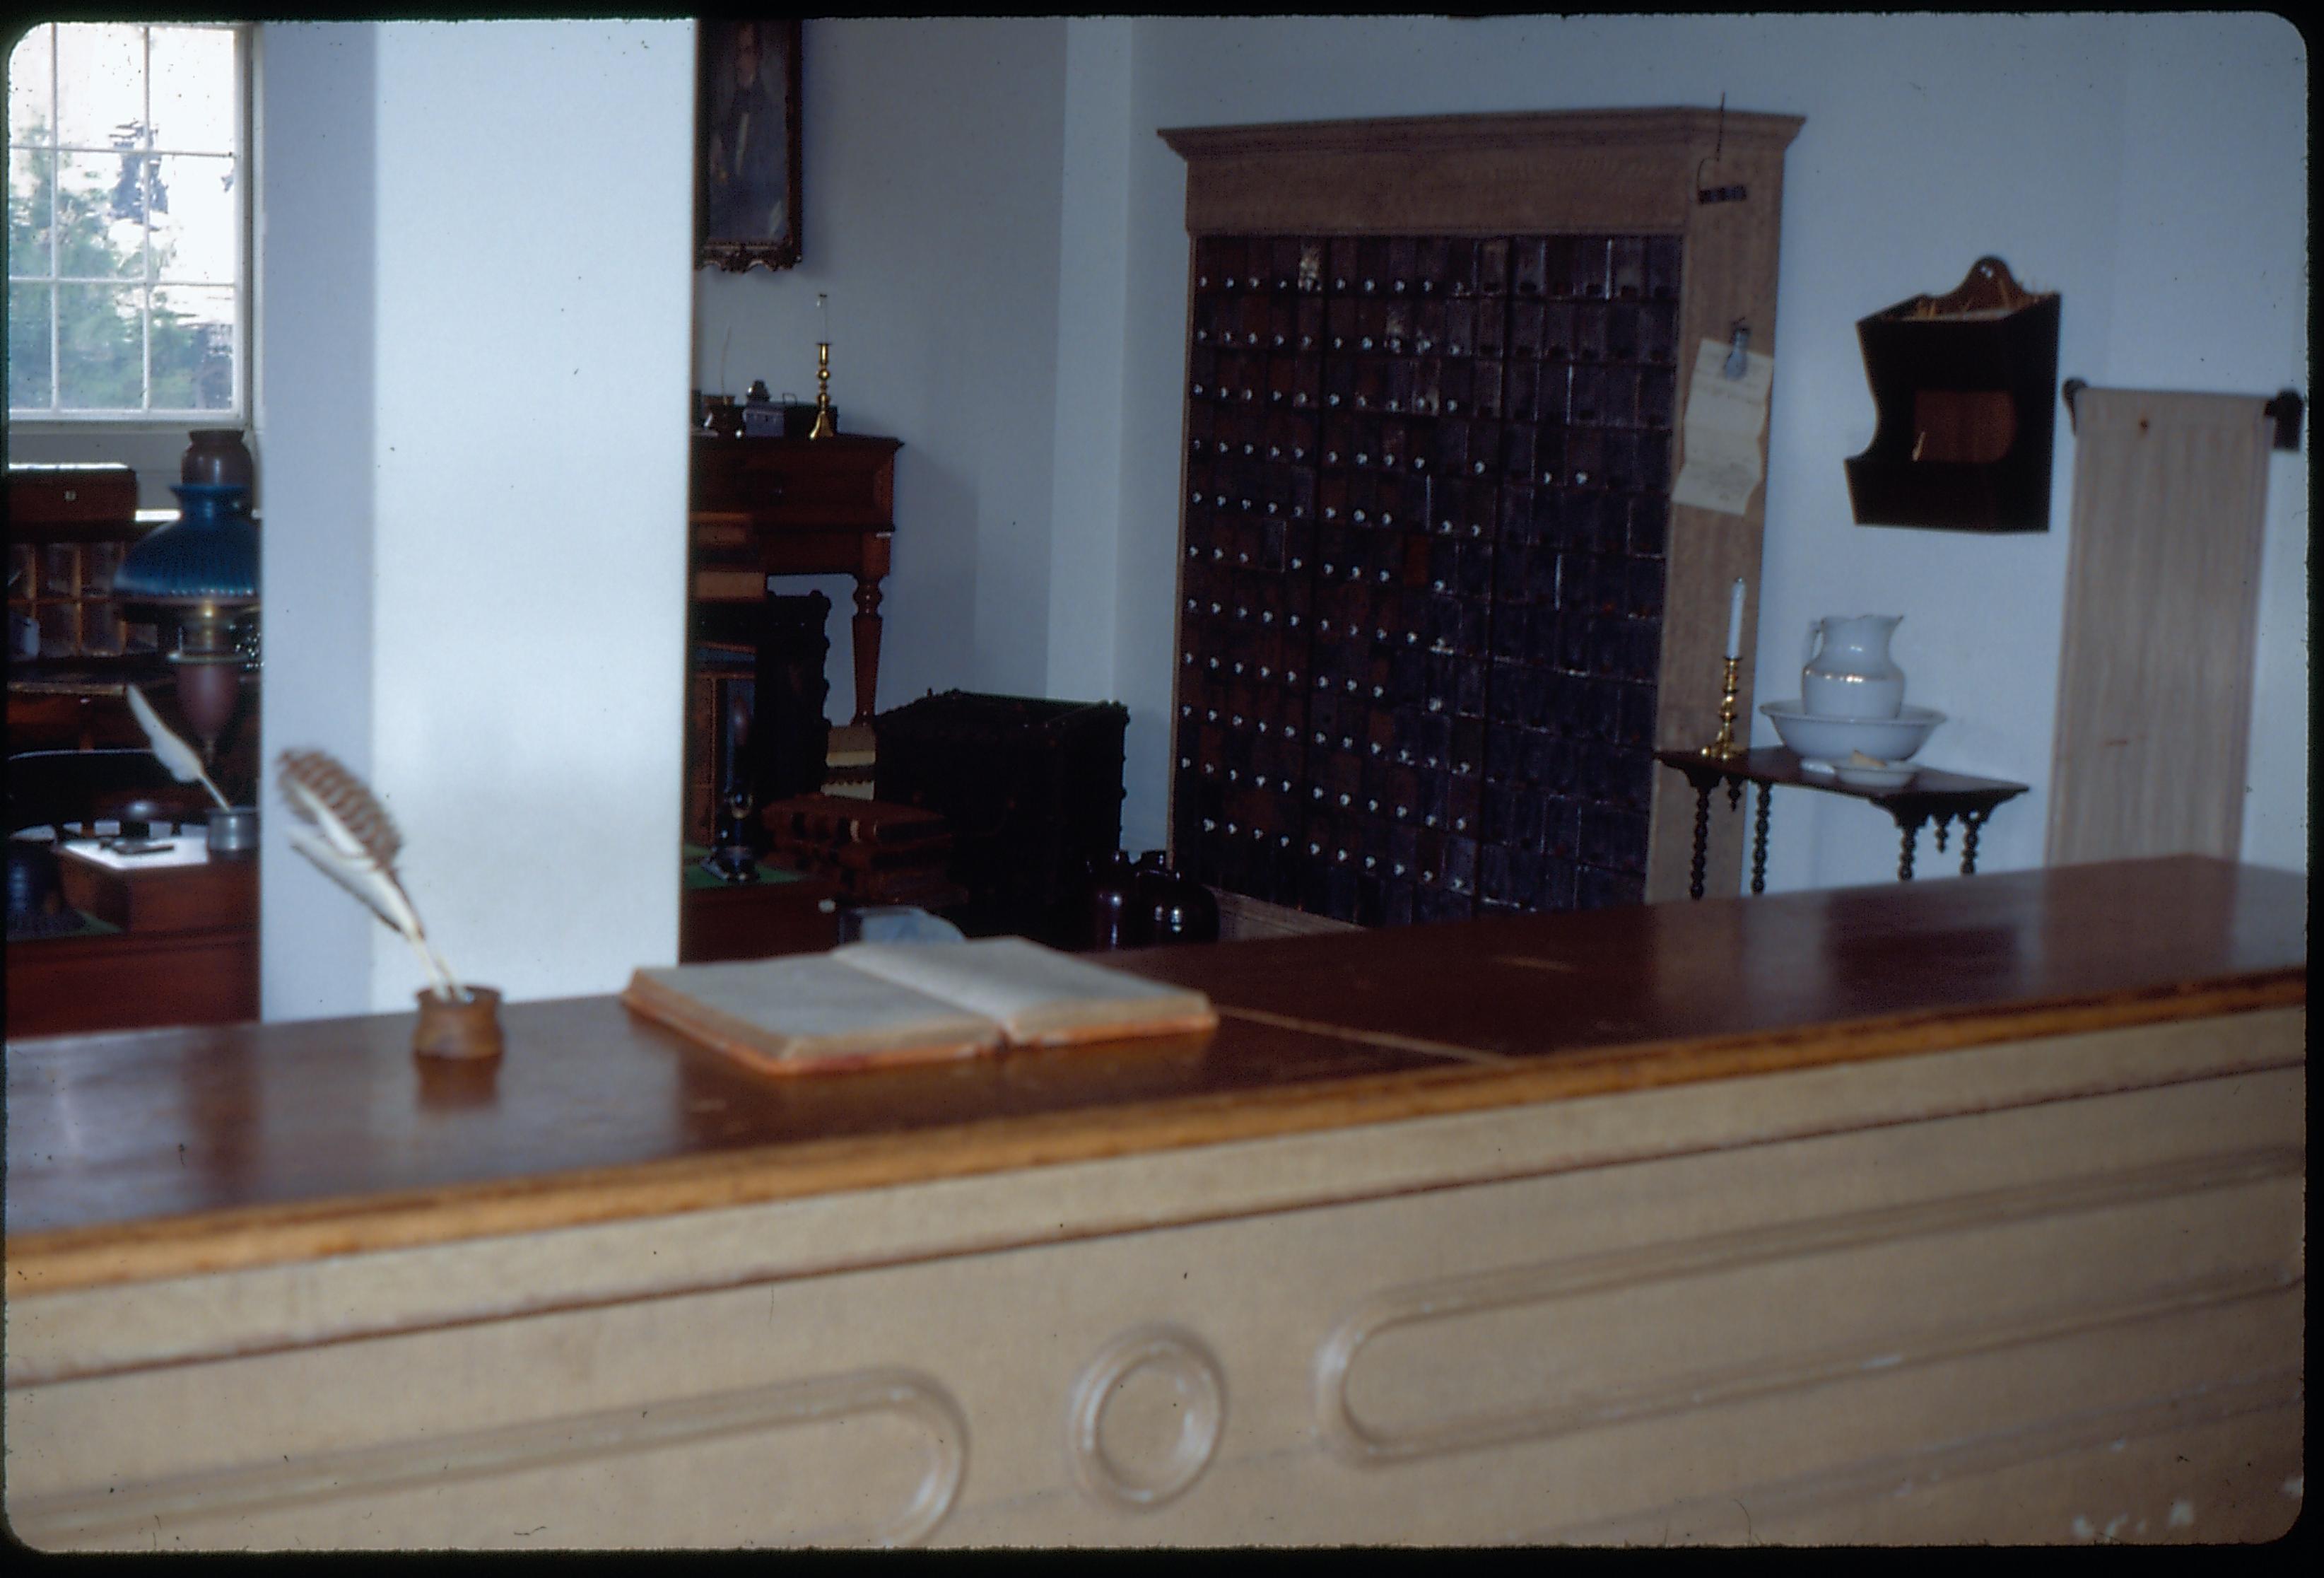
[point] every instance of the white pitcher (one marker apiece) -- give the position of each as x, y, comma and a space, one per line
1849, 674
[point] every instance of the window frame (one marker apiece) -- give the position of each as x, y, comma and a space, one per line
129, 435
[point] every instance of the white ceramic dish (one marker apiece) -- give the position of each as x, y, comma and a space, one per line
1873, 777
1814, 738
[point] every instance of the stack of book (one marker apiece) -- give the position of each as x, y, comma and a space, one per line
878, 853
848, 764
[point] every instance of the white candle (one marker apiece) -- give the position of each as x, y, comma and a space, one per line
822, 319
1735, 620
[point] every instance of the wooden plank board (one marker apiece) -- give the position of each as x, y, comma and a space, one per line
2154, 685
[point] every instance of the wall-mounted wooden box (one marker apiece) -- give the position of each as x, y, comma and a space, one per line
1962, 384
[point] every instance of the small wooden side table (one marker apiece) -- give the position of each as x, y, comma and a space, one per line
1927, 796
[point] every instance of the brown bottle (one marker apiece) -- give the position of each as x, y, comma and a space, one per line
1117, 919
1178, 909
218, 456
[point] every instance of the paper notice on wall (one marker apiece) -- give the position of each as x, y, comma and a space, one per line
1724, 419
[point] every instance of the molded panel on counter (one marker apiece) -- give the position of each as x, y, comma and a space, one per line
1960, 1307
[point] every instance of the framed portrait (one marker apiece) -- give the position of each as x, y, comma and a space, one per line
746, 165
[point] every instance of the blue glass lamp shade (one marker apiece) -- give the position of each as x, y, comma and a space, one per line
208, 555
205, 564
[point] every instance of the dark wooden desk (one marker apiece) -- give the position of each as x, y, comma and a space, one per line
797, 507
184, 951
1927, 796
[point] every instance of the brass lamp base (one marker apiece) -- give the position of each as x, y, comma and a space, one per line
210, 674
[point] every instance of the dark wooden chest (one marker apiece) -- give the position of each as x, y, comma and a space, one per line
1031, 787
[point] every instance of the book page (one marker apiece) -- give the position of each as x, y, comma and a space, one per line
803, 1007
185, 849
1037, 994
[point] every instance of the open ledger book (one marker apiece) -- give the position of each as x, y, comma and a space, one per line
868, 1004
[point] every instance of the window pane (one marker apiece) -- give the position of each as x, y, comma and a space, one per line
138, 220
29, 201
195, 219
28, 346
99, 200
193, 89
30, 116
101, 347
101, 69
193, 349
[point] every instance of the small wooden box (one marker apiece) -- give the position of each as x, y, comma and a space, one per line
783, 912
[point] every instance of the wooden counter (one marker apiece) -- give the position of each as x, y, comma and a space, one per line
1789, 1202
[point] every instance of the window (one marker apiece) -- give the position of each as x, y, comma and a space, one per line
128, 232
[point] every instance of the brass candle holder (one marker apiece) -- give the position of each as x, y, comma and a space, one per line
1724, 748
825, 428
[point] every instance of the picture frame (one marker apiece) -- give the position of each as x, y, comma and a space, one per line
746, 181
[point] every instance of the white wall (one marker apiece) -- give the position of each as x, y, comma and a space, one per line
930, 201
477, 245
317, 167
1093, 314
2149, 168
2211, 294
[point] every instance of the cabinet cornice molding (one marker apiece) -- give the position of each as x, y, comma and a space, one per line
1544, 172
1745, 131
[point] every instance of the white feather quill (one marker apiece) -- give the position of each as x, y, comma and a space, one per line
354, 844
184, 762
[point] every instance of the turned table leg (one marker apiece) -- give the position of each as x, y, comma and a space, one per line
867, 648
1970, 822
1912, 831
1702, 838
1759, 841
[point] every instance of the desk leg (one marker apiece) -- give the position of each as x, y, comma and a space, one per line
1701, 838
1759, 841
867, 647
1970, 822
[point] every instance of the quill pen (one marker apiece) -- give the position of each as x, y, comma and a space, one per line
354, 844
184, 762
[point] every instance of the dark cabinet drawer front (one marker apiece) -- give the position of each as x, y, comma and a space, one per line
799, 483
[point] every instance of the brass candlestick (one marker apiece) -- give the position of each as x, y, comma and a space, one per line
825, 428
1724, 748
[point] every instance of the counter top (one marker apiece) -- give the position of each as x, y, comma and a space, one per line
163, 1152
